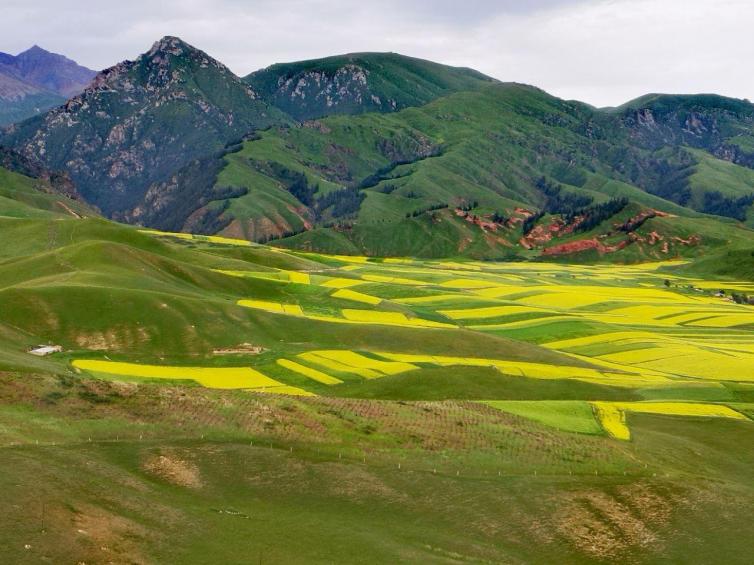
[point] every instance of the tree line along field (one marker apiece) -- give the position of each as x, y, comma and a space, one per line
370, 409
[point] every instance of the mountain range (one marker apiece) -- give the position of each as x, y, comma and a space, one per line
35, 81
382, 154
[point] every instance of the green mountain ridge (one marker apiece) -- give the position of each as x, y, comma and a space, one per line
359, 82
449, 162
485, 151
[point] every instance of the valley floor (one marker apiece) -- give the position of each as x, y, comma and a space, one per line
218, 401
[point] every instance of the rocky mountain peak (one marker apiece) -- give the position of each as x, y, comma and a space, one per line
172, 45
140, 121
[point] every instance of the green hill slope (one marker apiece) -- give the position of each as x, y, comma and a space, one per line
20, 100
438, 162
23, 196
460, 175
358, 83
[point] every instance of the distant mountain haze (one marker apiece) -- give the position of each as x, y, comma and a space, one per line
50, 71
36, 80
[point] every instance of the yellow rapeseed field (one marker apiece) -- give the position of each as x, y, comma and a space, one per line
314, 374
298, 277
393, 280
347, 294
342, 283
337, 366
223, 240
249, 274
726, 321
563, 300
195, 237
468, 283
612, 420
179, 235
539, 370
274, 307
612, 415
433, 298
390, 318
610, 337
353, 359
345, 361
488, 312
350, 258
397, 260
210, 377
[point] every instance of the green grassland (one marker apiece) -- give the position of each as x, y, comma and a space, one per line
458, 421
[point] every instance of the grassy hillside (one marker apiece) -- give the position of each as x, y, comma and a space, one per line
30, 102
436, 411
25, 197
460, 175
385, 155
430, 482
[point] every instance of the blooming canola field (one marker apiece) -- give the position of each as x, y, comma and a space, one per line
641, 332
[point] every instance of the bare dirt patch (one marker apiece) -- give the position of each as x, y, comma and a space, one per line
607, 525
110, 538
173, 469
247, 348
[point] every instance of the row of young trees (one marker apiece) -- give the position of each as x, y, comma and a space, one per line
430, 208
560, 202
596, 214
572, 206
341, 203
718, 204
383, 173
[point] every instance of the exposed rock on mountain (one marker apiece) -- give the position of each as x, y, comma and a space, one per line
140, 121
359, 82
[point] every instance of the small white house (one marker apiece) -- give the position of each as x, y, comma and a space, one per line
42, 350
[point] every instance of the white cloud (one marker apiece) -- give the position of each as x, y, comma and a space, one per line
600, 51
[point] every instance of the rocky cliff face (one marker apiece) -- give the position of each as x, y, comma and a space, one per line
358, 83
140, 121
315, 92
722, 126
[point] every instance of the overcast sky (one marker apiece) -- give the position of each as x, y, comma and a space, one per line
604, 52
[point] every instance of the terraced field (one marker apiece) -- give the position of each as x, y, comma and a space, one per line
564, 412
641, 328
